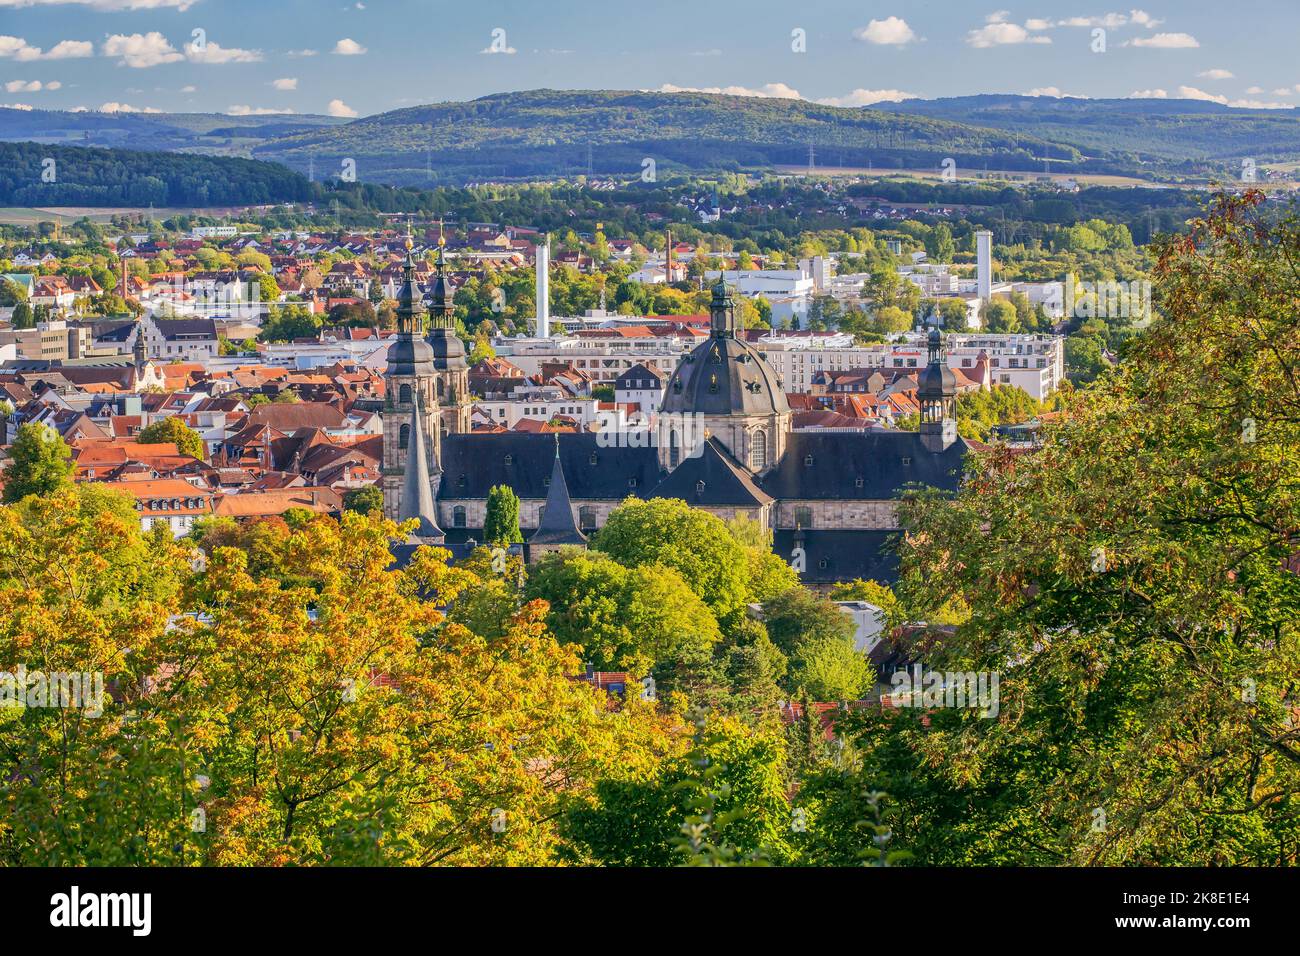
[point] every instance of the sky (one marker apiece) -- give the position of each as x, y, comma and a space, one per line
359, 58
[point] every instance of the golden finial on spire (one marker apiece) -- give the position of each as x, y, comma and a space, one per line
410, 243
442, 240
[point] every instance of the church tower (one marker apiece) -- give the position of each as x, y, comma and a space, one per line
937, 393
726, 390
449, 360
409, 394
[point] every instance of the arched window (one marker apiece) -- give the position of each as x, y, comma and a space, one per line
758, 451
458, 516
403, 435
673, 452
587, 518
404, 396
440, 387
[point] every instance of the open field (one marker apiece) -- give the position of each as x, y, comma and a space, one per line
30, 216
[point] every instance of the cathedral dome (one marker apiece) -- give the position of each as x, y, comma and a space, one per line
723, 375
410, 356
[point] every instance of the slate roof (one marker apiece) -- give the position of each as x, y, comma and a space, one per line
724, 482
473, 463
848, 554
557, 525
885, 459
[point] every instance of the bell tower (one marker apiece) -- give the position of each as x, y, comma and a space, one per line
449, 361
937, 393
409, 390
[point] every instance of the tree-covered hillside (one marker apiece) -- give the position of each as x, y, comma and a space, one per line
548, 133
104, 177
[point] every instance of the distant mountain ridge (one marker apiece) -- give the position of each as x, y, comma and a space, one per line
1180, 133
559, 132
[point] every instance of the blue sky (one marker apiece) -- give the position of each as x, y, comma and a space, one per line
318, 56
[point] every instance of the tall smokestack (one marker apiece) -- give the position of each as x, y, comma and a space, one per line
543, 263
984, 264
668, 257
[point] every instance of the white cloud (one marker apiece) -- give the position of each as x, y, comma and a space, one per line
254, 111
1002, 34
339, 108
189, 89
1260, 105
15, 106
1036, 24
1055, 93
997, 16
1166, 41
125, 108
349, 47
1149, 95
212, 52
891, 31
1254, 89
31, 86
1144, 19
1192, 93
494, 50
286, 83
302, 53
1216, 74
862, 97
1284, 91
69, 50
141, 50
769, 90
21, 50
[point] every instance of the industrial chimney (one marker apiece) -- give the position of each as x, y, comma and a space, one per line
984, 264
543, 263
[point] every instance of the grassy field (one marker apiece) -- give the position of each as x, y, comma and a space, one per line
30, 216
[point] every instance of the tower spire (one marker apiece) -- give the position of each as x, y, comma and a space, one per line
722, 310
409, 297
417, 491
557, 525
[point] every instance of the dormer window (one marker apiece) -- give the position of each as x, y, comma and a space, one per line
859, 483
510, 459
906, 462
631, 482
808, 461
594, 458
699, 487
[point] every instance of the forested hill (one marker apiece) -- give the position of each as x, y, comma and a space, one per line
557, 133
116, 177
1178, 133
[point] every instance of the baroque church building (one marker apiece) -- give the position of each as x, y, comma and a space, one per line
724, 442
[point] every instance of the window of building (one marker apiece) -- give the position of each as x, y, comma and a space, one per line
758, 451
458, 516
587, 518
404, 396
808, 461
803, 517
403, 436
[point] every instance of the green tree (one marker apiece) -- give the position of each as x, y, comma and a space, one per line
40, 463
172, 429
501, 522
364, 500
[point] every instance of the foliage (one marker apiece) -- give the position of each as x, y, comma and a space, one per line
501, 522
173, 430
40, 463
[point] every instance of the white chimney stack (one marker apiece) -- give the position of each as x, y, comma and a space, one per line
544, 288
984, 264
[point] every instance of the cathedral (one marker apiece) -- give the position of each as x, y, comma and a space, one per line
723, 442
